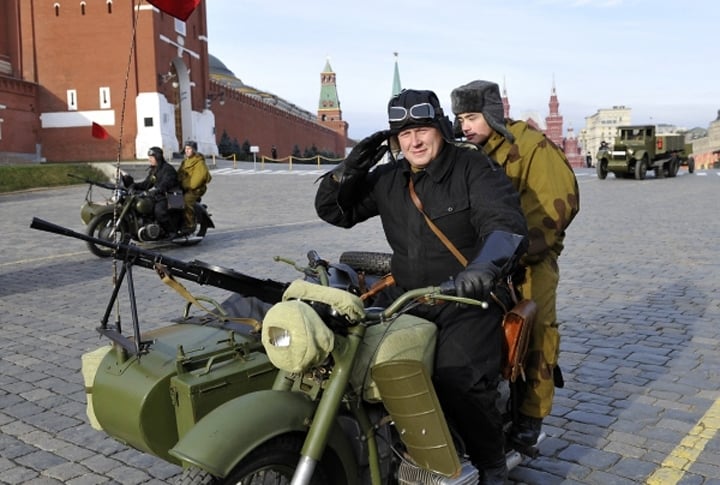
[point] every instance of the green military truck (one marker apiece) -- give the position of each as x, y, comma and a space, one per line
637, 149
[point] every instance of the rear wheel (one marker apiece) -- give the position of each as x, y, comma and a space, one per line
101, 227
373, 263
271, 463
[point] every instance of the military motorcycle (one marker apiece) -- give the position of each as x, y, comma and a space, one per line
128, 214
303, 382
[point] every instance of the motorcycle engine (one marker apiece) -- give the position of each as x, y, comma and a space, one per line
149, 232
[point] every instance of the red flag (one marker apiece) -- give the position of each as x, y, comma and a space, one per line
99, 132
177, 8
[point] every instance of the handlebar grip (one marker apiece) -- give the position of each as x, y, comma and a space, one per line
448, 288
313, 258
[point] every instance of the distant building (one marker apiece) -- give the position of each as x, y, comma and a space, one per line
706, 149
602, 126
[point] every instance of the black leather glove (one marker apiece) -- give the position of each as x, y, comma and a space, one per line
367, 152
477, 280
358, 163
497, 259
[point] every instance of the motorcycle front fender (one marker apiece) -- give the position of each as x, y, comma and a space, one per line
226, 435
203, 216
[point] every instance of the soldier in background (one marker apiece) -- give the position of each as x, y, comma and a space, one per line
549, 196
194, 176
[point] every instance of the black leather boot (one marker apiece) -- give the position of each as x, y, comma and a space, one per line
494, 476
526, 430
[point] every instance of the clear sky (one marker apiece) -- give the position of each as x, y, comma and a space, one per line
658, 57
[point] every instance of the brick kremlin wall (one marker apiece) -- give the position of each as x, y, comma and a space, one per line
264, 125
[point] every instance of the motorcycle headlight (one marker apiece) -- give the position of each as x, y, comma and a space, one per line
295, 337
279, 337
116, 196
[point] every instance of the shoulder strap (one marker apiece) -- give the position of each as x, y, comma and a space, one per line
448, 244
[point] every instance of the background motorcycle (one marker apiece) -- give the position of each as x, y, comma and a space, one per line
128, 215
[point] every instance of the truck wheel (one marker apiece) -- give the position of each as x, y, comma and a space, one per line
601, 169
673, 167
273, 462
373, 263
640, 169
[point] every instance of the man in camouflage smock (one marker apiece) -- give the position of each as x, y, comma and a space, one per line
549, 197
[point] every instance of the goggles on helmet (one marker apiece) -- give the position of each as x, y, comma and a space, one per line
421, 111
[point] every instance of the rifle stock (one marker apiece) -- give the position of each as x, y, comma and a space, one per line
197, 271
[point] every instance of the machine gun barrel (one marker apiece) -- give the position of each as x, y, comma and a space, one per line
197, 271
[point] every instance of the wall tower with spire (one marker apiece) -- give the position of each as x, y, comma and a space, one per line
554, 121
505, 101
329, 113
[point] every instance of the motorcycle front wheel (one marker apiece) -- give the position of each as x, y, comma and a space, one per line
271, 463
101, 227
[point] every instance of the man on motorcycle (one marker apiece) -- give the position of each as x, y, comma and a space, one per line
162, 178
194, 176
470, 199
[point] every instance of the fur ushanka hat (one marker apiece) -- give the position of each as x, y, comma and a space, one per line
481, 97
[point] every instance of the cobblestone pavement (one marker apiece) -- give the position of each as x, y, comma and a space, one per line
639, 308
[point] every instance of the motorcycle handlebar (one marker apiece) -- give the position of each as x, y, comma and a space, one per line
444, 292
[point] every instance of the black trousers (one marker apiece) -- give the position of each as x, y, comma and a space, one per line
467, 373
168, 220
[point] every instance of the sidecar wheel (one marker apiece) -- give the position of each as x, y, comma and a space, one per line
273, 462
100, 228
373, 263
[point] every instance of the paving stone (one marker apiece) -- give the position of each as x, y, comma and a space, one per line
589, 457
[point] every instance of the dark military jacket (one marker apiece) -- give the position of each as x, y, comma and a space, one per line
464, 193
162, 177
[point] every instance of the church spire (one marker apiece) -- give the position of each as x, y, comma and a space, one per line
396, 85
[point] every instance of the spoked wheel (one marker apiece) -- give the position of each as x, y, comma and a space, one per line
272, 463
101, 227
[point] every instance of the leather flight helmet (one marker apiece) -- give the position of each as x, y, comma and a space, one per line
157, 153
